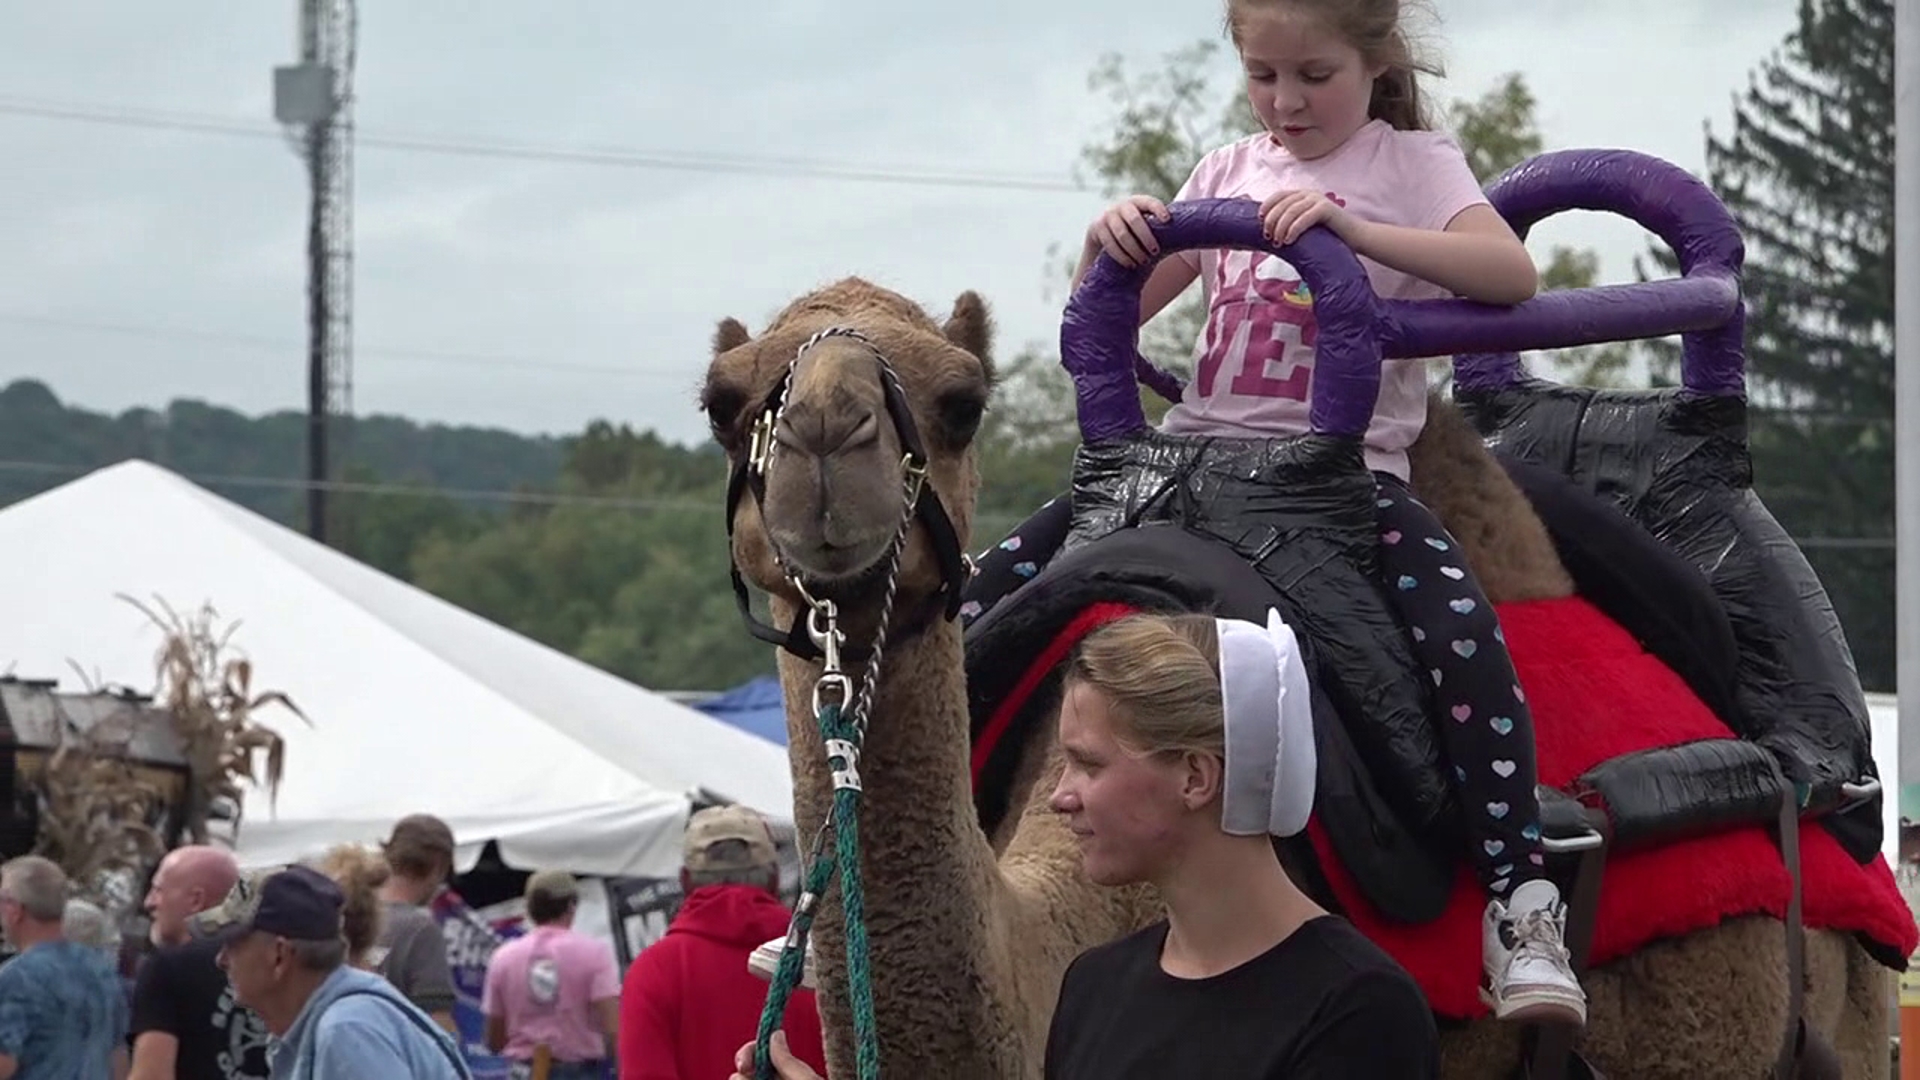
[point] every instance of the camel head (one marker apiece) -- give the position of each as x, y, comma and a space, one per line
834, 486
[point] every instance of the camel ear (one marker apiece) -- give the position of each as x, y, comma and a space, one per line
970, 327
731, 334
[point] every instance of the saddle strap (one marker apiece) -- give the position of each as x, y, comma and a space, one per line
1787, 833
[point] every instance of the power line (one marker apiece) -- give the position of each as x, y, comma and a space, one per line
606, 156
281, 345
420, 491
617, 502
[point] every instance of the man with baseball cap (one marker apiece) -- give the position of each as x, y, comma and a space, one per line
690, 1000
553, 987
281, 945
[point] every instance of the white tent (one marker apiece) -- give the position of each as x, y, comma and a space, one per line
416, 705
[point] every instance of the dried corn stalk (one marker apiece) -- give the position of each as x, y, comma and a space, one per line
98, 818
209, 696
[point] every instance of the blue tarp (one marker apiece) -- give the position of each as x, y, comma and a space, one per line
755, 707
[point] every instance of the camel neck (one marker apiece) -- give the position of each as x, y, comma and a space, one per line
1228, 903
915, 779
924, 855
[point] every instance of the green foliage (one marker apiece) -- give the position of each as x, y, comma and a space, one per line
208, 442
1807, 172
1499, 130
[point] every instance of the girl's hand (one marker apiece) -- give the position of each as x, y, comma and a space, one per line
1286, 215
1122, 230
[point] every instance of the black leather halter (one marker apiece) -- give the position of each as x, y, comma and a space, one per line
749, 474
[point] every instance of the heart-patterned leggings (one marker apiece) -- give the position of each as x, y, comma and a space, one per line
1481, 714
1485, 727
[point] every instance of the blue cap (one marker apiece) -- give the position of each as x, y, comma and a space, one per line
298, 903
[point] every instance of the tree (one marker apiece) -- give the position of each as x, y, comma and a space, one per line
1499, 131
1807, 172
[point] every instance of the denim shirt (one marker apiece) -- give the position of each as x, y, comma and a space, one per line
62, 1012
355, 1026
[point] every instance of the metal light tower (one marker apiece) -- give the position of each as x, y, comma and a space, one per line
314, 98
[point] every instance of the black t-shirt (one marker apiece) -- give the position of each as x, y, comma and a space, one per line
181, 991
1325, 1003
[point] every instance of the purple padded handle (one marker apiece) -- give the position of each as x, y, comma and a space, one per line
1703, 305
1100, 331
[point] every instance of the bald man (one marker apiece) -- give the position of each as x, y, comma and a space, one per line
188, 881
186, 1024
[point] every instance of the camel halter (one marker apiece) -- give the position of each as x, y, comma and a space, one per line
841, 713
749, 475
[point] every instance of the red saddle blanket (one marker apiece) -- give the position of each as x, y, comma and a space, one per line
1595, 695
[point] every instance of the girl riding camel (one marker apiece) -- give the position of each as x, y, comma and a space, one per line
1346, 145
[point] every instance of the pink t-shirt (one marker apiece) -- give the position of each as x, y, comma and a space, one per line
544, 984
1253, 364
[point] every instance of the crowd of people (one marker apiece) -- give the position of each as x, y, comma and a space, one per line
339, 969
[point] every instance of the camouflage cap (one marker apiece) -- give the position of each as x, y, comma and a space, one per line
728, 838
298, 903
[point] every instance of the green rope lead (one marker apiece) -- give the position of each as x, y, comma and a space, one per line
842, 741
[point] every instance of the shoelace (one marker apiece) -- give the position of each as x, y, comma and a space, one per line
1538, 931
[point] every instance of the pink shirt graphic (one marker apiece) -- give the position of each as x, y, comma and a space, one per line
544, 983
1253, 364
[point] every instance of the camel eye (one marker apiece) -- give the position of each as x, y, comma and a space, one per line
722, 404
960, 412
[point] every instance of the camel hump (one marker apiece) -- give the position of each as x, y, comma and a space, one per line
1672, 470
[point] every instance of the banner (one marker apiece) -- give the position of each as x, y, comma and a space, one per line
471, 939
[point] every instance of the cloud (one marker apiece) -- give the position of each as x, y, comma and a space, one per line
628, 268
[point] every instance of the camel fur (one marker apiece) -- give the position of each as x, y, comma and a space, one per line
970, 936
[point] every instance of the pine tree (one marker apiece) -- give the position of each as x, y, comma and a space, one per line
1808, 174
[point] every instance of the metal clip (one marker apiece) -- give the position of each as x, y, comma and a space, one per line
847, 775
760, 444
823, 626
916, 475
835, 681
802, 912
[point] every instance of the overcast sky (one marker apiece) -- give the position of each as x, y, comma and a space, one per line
140, 264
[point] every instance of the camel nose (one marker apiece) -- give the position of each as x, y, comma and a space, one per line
825, 432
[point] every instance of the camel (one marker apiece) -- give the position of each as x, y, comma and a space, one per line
970, 933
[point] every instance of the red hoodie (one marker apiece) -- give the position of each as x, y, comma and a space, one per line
690, 1003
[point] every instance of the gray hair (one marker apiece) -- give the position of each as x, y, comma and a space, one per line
39, 885
85, 924
320, 957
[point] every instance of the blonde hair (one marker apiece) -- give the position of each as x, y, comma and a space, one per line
1376, 28
1162, 673
359, 872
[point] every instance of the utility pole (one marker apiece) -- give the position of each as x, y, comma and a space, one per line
314, 99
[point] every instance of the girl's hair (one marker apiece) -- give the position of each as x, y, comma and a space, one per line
359, 872
1375, 28
1162, 673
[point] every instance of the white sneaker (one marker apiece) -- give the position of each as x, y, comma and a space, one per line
1529, 973
765, 960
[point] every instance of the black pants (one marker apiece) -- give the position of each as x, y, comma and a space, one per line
1480, 713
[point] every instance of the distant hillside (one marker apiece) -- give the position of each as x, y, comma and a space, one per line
206, 441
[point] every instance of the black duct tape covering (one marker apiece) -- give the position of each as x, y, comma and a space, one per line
1677, 463
1675, 792
1301, 511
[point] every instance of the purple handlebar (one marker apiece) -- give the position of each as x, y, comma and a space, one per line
1703, 305
1099, 332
